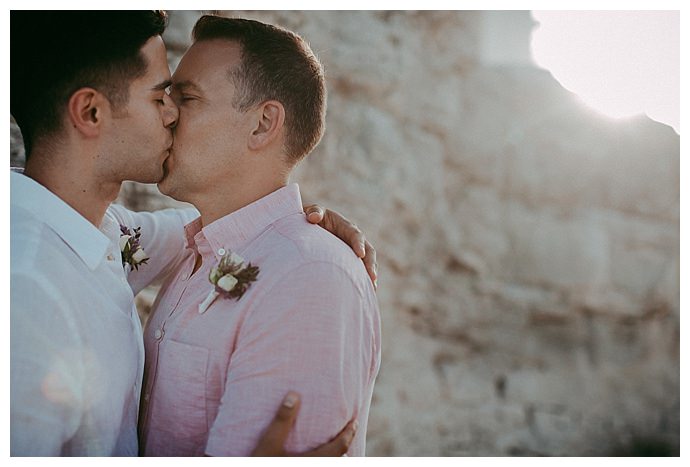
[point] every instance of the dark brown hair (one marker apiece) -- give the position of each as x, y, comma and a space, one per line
277, 64
55, 53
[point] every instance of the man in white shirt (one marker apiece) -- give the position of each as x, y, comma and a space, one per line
88, 90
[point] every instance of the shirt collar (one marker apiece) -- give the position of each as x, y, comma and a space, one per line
190, 230
80, 235
234, 231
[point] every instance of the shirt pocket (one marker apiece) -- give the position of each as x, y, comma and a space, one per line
180, 397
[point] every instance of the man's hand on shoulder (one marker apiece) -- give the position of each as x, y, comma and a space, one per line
347, 232
272, 442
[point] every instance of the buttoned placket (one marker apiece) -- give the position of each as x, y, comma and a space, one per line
159, 335
114, 261
113, 258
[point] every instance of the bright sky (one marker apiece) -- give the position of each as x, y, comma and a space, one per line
621, 63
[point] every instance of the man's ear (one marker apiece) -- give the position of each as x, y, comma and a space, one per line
86, 109
269, 125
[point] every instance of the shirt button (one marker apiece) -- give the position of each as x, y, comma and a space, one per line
109, 257
158, 334
146, 397
221, 251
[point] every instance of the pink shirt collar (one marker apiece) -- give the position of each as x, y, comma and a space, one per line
234, 231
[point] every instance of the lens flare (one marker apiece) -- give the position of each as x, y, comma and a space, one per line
621, 63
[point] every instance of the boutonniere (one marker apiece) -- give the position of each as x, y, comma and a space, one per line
230, 278
130, 248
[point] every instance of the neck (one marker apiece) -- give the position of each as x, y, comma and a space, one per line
75, 184
224, 202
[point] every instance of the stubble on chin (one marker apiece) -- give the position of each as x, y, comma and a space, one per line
164, 186
153, 176
170, 188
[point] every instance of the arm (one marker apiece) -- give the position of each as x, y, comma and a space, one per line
311, 343
46, 371
347, 232
162, 238
272, 442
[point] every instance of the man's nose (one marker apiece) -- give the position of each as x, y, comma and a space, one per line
170, 113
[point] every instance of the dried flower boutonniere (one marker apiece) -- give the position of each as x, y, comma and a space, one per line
130, 248
231, 279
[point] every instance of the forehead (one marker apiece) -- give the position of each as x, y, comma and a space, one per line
208, 62
157, 69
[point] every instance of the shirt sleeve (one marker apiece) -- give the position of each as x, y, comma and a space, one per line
46, 370
162, 238
309, 334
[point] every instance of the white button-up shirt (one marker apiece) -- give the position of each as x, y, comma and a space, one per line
76, 340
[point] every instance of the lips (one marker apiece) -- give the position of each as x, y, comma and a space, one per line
167, 151
168, 156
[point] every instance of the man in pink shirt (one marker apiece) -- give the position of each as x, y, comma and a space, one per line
290, 306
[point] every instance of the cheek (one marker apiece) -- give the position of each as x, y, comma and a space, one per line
147, 129
187, 129
147, 113
199, 133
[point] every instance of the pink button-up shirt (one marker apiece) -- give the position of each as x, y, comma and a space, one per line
310, 323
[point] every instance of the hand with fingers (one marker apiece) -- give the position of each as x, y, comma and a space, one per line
272, 442
347, 232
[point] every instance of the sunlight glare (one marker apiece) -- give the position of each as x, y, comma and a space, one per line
621, 63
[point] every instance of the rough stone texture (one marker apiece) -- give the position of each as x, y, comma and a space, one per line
528, 248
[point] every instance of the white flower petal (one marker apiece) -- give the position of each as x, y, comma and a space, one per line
139, 256
227, 282
123, 241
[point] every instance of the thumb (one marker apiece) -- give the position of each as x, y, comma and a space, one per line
314, 213
272, 442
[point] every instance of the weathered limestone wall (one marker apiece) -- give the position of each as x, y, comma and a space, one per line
529, 249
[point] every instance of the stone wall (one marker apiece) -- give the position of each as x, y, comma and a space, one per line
528, 248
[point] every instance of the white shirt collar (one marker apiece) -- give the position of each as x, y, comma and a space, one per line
83, 237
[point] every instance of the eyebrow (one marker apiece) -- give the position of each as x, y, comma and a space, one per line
161, 86
186, 85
